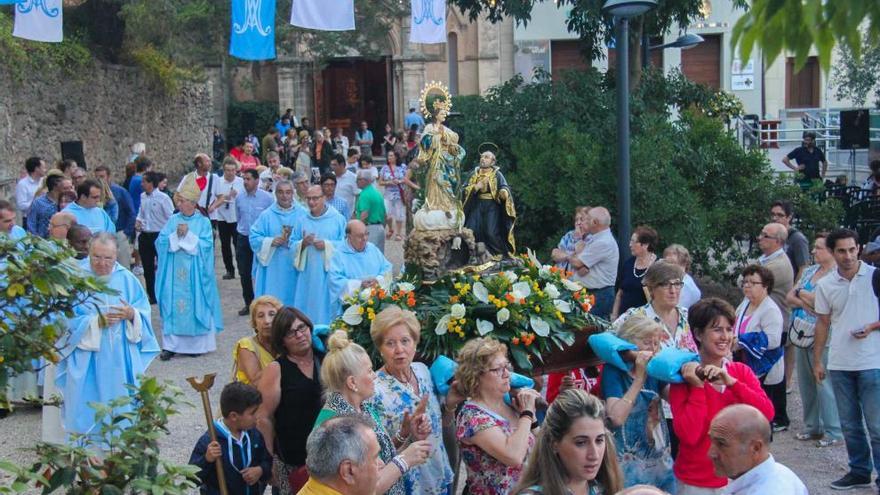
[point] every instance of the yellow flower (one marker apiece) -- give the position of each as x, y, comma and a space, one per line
369, 302
476, 277
462, 321
361, 310
537, 309
371, 316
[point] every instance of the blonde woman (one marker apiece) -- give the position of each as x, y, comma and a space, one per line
634, 410
252, 354
494, 438
574, 454
402, 386
348, 375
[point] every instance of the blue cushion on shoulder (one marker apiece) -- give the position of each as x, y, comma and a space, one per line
442, 371
608, 347
666, 364
319, 334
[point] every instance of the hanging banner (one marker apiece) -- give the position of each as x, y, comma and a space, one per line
253, 30
10, 2
428, 21
39, 20
325, 15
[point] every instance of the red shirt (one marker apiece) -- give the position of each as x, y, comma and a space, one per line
693, 408
248, 162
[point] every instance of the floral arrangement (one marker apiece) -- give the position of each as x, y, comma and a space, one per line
533, 308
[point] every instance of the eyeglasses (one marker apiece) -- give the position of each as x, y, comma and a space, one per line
674, 285
499, 371
748, 283
293, 332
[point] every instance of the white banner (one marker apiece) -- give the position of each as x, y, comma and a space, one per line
325, 15
428, 21
39, 20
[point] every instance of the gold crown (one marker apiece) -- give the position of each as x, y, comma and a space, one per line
444, 104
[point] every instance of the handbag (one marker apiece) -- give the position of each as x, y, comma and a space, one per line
801, 332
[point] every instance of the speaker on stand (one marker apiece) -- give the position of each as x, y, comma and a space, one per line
854, 134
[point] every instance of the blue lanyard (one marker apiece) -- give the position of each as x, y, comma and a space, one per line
244, 446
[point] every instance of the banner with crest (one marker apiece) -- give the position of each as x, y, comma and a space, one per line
428, 21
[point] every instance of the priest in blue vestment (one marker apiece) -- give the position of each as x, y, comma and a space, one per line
106, 350
272, 237
87, 211
357, 264
322, 228
186, 287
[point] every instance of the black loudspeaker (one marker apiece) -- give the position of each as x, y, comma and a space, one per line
74, 151
854, 126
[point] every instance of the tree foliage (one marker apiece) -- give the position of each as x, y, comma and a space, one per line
855, 77
690, 178
795, 26
123, 457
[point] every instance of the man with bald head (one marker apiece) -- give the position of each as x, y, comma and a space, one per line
596, 266
740, 450
357, 264
321, 228
771, 241
59, 225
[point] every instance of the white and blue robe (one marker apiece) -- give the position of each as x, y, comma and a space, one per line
273, 272
96, 219
23, 385
97, 363
186, 288
349, 268
312, 287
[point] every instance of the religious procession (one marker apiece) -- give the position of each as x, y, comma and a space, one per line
548, 276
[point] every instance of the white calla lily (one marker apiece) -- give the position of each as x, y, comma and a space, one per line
521, 290
481, 292
457, 311
562, 306
484, 327
406, 287
571, 285
365, 294
532, 257
352, 316
544, 272
503, 315
551, 291
510, 276
541, 327
441, 327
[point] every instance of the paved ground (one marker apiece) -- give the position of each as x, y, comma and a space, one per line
815, 466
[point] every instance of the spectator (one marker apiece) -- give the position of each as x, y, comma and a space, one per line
797, 247
872, 183
821, 421
108, 201
740, 450
699, 398
303, 162
270, 141
328, 188
412, 139
130, 170
370, 208
353, 159
574, 452
291, 390
219, 145
631, 291
404, 387
59, 226
251, 468
346, 183
679, 255
596, 267
156, 208
414, 118
322, 152
67, 167
125, 217
633, 402
809, 158
45, 206
772, 242
26, 188
248, 158
343, 457
400, 146
759, 330
283, 124
494, 438
205, 181
391, 178
572, 243
7, 221
306, 125
340, 143
389, 139
86, 210
252, 354
135, 187
291, 117
248, 207
137, 151
223, 213
847, 302
348, 375
78, 175
267, 177
363, 139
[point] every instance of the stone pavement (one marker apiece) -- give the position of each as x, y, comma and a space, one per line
817, 467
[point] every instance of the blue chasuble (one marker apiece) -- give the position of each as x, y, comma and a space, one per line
96, 219
185, 285
312, 288
274, 273
97, 363
349, 267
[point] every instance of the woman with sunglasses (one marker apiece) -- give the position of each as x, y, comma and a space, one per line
494, 437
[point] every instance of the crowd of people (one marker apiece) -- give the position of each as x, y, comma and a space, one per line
689, 398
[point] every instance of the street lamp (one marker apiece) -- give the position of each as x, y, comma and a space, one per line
684, 42
623, 11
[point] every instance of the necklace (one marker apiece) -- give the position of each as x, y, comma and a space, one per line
408, 382
645, 269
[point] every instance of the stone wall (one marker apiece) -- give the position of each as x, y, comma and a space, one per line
107, 110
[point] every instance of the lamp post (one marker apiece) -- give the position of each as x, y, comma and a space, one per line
685, 41
623, 11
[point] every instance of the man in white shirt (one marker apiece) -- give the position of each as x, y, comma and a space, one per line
28, 185
346, 182
596, 265
846, 301
267, 177
222, 212
156, 208
740, 450
206, 181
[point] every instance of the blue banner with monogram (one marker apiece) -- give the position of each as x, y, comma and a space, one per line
253, 29
39, 20
10, 2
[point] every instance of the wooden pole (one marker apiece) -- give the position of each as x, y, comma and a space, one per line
202, 386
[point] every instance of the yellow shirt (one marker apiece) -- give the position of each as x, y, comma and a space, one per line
250, 343
315, 487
